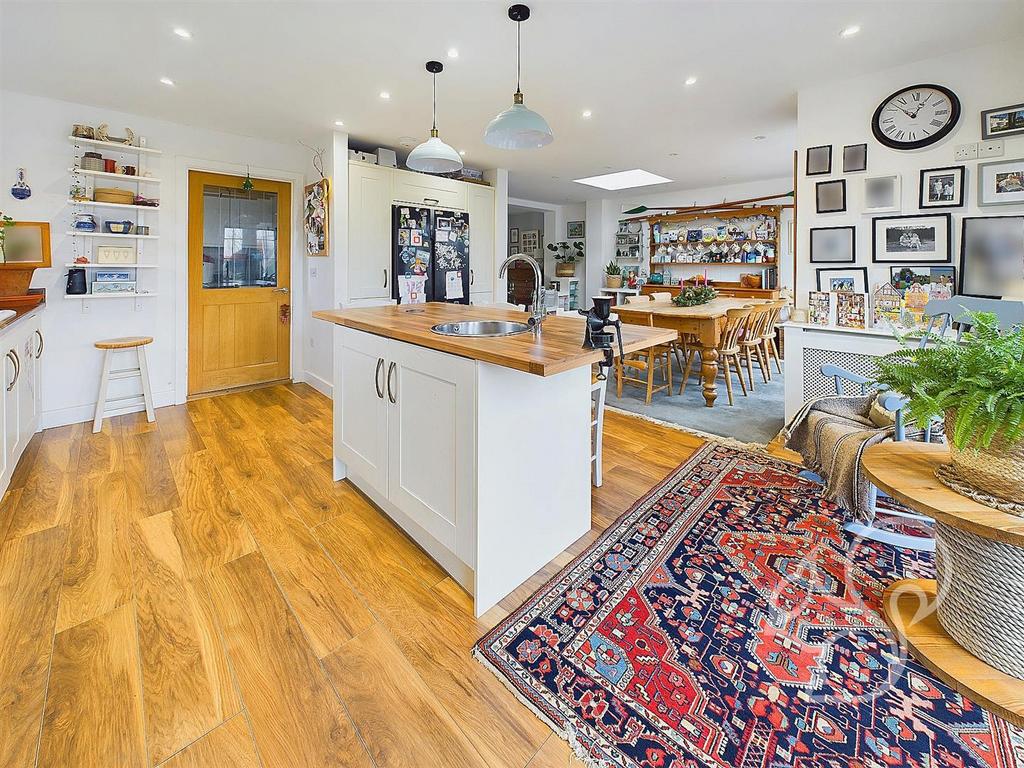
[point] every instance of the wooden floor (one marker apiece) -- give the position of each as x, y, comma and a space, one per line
197, 593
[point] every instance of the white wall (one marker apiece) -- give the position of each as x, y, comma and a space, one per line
33, 135
840, 113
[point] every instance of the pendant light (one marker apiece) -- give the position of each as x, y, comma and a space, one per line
433, 155
518, 127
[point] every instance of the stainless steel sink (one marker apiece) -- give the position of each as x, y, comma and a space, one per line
481, 328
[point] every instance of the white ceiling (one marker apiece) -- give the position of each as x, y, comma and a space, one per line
288, 70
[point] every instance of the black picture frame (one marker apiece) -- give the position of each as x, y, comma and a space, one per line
923, 204
961, 287
817, 195
876, 258
862, 270
849, 158
1016, 122
807, 161
853, 244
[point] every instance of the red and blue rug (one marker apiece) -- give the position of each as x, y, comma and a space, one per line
728, 620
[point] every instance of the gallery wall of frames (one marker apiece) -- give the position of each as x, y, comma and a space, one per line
894, 201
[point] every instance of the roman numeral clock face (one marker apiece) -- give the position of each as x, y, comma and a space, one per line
916, 117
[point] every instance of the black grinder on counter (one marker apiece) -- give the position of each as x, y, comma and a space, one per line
597, 337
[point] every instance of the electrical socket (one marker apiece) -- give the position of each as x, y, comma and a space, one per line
991, 148
966, 152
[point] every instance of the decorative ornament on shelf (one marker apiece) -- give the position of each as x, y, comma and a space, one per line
5, 221
20, 190
247, 185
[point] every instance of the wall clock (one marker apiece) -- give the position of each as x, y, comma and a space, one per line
916, 116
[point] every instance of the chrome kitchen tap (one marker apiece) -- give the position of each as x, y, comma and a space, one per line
538, 314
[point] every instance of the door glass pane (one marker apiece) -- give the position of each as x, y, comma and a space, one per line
239, 238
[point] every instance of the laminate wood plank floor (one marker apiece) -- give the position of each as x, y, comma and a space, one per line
198, 593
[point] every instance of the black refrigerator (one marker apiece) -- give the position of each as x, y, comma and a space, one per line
430, 255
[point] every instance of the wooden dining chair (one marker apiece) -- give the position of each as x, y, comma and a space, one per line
771, 351
728, 350
641, 299
661, 296
648, 362
752, 340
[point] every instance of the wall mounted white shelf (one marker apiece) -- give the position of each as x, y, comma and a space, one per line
94, 265
73, 233
94, 204
115, 146
118, 176
88, 296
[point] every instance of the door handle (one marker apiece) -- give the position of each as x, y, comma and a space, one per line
39, 352
377, 383
431, 201
471, 277
17, 367
391, 395
281, 290
385, 277
14, 378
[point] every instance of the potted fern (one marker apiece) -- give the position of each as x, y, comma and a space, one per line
977, 386
613, 275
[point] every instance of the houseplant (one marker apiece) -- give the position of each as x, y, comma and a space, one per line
613, 275
977, 386
5, 221
566, 257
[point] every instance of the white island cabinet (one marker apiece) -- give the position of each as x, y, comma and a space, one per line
478, 448
21, 346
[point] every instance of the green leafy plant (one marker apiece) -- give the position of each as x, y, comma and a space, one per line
979, 381
5, 221
564, 254
694, 295
613, 269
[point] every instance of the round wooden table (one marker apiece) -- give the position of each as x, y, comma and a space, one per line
906, 471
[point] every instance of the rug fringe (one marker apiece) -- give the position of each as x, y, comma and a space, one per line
568, 736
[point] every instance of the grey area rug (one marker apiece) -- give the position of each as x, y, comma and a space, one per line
756, 418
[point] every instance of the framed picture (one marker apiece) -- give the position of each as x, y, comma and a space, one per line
314, 217
833, 245
992, 256
942, 277
831, 196
925, 237
942, 187
25, 243
853, 279
819, 160
883, 194
575, 229
1001, 182
513, 235
855, 158
1002, 121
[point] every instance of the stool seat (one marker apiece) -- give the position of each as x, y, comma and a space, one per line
124, 342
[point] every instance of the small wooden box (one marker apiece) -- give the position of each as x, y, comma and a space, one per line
115, 254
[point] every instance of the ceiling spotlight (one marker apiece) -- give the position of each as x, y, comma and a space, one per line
586, 114
462, 152
183, 33
760, 137
453, 53
166, 81
385, 95
690, 80
850, 31
673, 154
339, 123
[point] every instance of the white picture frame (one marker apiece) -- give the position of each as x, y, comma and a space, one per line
883, 194
1001, 182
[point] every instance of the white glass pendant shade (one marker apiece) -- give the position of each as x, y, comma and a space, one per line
434, 156
518, 128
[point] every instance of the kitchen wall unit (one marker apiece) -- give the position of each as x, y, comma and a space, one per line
22, 346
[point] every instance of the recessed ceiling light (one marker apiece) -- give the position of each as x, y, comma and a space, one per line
166, 81
673, 154
385, 95
759, 137
624, 179
690, 80
183, 33
586, 113
462, 152
339, 123
453, 53
850, 31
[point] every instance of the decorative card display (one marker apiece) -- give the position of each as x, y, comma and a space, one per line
851, 309
821, 308
314, 217
886, 305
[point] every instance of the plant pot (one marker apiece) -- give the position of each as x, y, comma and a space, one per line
565, 269
997, 470
613, 281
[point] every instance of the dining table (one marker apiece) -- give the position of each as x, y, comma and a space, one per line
704, 322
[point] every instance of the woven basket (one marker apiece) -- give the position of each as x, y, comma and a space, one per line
113, 195
996, 471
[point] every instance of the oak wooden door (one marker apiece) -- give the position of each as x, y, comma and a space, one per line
239, 253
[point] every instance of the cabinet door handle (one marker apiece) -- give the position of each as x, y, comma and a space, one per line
39, 352
17, 367
377, 383
385, 277
431, 201
14, 378
471, 277
391, 395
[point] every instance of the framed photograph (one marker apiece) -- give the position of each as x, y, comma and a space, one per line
1002, 121
925, 237
942, 187
575, 229
314, 217
992, 256
831, 196
819, 160
1001, 182
853, 279
513, 235
833, 245
25, 243
942, 278
855, 158
883, 194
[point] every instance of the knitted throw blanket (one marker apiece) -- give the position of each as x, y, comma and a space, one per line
831, 434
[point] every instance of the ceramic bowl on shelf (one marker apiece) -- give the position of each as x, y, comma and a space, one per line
119, 227
85, 222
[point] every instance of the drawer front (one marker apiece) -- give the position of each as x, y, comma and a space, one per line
421, 189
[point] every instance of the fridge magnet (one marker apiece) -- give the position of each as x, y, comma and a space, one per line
441, 236
444, 223
412, 289
403, 237
20, 190
447, 256
415, 238
314, 220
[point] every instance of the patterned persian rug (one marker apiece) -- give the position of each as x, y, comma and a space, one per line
727, 620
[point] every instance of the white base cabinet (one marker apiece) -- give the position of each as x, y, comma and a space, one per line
21, 345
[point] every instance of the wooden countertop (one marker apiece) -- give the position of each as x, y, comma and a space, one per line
558, 349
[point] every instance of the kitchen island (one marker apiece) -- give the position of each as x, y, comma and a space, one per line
479, 448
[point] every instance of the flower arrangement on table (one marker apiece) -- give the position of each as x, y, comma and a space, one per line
694, 295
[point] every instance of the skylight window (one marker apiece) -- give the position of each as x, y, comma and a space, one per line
624, 179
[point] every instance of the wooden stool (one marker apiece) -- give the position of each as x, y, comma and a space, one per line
110, 347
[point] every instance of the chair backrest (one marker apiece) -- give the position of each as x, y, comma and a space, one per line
641, 299
944, 312
736, 322
757, 322
661, 296
775, 308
